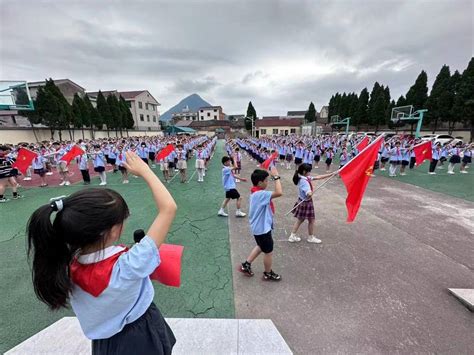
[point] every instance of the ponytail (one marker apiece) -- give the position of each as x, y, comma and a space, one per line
296, 178
302, 170
51, 258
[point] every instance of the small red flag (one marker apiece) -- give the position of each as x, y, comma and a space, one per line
165, 152
74, 152
362, 144
266, 163
356, 175
169, 271
24, 159
423, 152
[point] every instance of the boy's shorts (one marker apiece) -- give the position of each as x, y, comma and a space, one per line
233, 194
265, 242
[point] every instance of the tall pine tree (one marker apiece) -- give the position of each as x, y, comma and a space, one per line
103, 111
436, 109
310, 115
251, 116
418, 92
361, 116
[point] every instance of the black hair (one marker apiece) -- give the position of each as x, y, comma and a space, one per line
83, 220
225, 160
302, 169
258, 175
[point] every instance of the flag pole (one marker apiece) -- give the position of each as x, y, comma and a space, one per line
363, 150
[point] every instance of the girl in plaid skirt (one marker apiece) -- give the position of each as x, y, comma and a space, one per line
305, 208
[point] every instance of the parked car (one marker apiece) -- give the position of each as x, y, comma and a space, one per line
456, 141
438, 138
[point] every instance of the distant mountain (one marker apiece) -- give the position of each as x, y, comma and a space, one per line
194, 102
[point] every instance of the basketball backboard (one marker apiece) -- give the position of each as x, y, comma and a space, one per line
401, 113
15, 95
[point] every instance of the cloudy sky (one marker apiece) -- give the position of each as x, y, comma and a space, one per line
279, 54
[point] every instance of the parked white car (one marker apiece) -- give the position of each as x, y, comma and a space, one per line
438, 138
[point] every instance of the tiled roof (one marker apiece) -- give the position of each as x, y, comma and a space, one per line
296, 113
56, 81
128, 95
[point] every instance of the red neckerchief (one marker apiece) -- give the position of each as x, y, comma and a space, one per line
257, 188
94, 278
309, 182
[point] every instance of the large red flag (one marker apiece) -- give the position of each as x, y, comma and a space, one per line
363, 143
169, 271
74, 152
423, 152
24, 159
266, 163
356, 175
165, 152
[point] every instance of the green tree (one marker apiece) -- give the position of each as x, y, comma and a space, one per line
127, 117
378, 110
466, 93
47, 107
310, 115
78, 111
361, 116
401, 101
91, 116
374, 94
64, 119
103, 111
115, 113
439, 100
251, 116
418, 92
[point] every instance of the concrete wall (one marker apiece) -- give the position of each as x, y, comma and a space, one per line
281, 130
16, 135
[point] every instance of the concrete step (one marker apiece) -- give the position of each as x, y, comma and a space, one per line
193, 336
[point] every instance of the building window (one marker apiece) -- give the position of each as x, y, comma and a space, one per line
208, 114
202, 118
146, 106
140, 104
215, 110
142, 118
275, 130
263, 131
215, 117
148, 118
202, 110
293, 130
154, 118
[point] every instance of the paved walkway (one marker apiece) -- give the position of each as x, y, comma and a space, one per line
378, 285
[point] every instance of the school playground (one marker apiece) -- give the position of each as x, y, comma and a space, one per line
376, 285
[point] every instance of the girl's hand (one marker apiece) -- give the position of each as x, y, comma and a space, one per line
243, 179
135, 165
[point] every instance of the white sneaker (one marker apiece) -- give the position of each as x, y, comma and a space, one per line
49, 173
451, 172
403, 174
463, 172
27, 178
431, 173
125, 182
383, 169
240, 214
67, 183
294, 238
392, 175
62, 183
222, 213
313, 239
103, 183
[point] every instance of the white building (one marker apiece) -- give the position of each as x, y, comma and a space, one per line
185, 115
324, 114
210, 113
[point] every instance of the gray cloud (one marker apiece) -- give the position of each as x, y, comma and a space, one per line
279, 54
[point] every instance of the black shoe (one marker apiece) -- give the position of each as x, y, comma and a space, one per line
246, 269
18, 196
271, 276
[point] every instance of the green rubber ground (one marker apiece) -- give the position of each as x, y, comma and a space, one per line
206, 289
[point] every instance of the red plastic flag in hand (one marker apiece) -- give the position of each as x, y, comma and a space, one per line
165, 152
74, 152
423, 152
362, 144
356, 175
169, 271
266, 163
24, 159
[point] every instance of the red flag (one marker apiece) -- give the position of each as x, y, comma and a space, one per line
266, 163
24, 159
356, 175
362, 144
74, 152
169, 271
423, 152
165, 152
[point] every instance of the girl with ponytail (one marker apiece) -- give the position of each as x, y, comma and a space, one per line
75, 261
305, 209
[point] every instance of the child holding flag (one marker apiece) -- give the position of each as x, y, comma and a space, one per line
261, 222
80, 242
304, 208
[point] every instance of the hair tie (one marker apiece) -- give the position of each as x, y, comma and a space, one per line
57, 203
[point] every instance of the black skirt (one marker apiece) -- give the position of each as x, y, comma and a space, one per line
149, 334
455, 159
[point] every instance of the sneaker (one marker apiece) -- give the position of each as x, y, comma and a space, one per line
67, 183
294, 238
246, 269
463, 172
271, 276
62, 183
18, 196
383, 169
49, 173
392, 175
403, 174
125, 182
451, 172
240, 214
431, 173
103, 183
222, 213
3, 200
27, 178
313, 239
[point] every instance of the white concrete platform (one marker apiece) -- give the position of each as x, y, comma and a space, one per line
465, 295
193, 336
